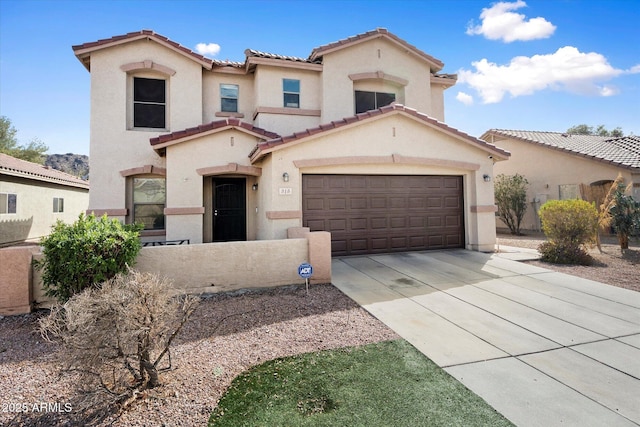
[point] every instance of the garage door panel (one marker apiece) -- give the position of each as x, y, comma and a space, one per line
399, 222
358, 203
378, 223
339, 203
376, 214
313, 204
378, 202
358, 224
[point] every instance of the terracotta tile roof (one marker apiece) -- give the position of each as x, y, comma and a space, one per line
262, 147
318, 52
15, 167
82, 51
258, 54
623, 152
218, 124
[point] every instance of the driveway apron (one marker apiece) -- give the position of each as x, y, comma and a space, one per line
543, 348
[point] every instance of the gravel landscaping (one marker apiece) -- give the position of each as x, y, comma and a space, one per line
611, 266
227, 334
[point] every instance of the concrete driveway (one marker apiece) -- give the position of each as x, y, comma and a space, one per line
543, 348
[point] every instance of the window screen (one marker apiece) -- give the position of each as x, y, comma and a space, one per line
149, 102
366, 101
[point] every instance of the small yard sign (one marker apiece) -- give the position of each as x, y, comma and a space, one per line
305, 270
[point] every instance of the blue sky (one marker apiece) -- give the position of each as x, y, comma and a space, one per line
530, 65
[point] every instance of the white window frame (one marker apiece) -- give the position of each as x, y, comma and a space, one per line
58, 204
236, 98
289, 92
5, 206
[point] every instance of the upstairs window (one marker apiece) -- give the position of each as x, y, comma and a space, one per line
58, 205
149, 103
229, 98
8, 203
291, 90
149, 196
366, 101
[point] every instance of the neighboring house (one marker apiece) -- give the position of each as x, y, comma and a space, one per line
33, 197
194, 147
565, 166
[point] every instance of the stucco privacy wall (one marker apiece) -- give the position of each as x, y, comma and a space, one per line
394, 144
208, 268
15, 278
34, 208
559, 169
111, 118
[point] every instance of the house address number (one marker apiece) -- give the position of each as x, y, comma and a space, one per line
286, 191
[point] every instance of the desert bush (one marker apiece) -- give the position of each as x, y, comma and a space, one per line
511, 199
117, 336
571, 227
624, 212
86, 253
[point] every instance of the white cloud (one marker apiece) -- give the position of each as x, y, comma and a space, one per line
634, 70
208, 49
566, 69
500, 23
465, 98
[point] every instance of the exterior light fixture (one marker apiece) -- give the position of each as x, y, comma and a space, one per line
486, 178
254, 187
285, 177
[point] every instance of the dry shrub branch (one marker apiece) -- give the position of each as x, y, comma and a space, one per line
117, 337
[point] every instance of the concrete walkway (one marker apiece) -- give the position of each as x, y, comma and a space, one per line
543, 348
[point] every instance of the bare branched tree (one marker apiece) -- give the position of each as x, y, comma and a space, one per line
118, 337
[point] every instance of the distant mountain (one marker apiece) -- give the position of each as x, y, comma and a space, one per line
73, 164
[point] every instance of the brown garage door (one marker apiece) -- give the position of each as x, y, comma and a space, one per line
379, 213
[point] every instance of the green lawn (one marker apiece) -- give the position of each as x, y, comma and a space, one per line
384, 384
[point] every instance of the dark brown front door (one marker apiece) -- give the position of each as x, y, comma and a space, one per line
385, 213
229, 210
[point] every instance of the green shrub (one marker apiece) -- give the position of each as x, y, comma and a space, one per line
86, 253
511, 199
570, 226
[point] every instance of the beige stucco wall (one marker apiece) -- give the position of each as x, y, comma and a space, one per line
185, 184
425, 150
34, 208
546, 169
211, 95
114, 147
370, 57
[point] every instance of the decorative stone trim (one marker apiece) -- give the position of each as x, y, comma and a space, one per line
196, 210
379, 75
146, 169
228, 114
147, 65
484, 209
289, 111
231, 168
108, 212
394, 158
283, 214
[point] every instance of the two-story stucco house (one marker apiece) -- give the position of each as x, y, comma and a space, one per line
350, 140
